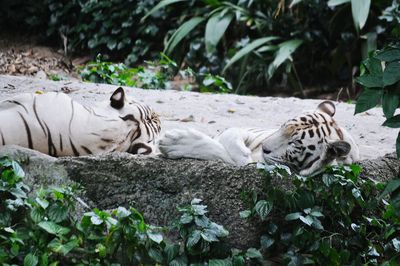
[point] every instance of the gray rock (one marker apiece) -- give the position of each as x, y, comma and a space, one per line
156, 186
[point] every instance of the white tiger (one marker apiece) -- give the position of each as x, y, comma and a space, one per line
306, 143
55, 124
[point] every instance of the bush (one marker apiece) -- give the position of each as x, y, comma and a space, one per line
334, 218
380, 77
43, 230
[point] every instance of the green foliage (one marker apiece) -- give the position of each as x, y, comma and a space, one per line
334, 218
380, 77
43, 230
155, 75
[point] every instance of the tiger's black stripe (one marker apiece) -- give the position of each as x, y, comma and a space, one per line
50, 145
2, 138
28, 131
18, 103
37, 116
86, 149
74, 150
61, 143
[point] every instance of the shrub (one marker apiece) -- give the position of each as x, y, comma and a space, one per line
380, 77
334, 218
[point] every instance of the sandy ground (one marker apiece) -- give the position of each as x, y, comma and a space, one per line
212, 113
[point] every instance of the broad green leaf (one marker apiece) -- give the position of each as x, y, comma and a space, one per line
42, 202
308, 220
30, 260
215, 29
245, 214
156, 255
373, 65
186, 218
238, 261
247, 49
391, 75
367, 100
284, 53
156, 237
193, 238
293, 216
215, 262
56, 246
390, 102
360, 11
58, 213
396, 244
371, 80
393, 122
253, 253
266, 241
263, 208
332, 3
390, 187
171, 250
398, 146
389, 55
53, 228
181, 33
160, 5
209, 235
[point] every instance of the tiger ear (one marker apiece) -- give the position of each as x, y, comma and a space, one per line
338, 149
117, 99
327, 107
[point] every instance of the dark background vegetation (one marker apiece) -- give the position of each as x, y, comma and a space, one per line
329, 55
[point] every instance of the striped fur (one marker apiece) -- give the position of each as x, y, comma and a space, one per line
306, 143
55, 124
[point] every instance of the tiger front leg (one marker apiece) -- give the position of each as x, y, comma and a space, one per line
190, 143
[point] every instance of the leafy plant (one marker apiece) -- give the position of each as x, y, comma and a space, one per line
334, 218
380, 77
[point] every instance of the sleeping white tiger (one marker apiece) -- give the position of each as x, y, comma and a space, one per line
55, 124
306, 143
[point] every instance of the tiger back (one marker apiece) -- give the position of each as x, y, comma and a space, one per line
55, 124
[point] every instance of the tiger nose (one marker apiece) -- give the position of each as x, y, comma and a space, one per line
266, 150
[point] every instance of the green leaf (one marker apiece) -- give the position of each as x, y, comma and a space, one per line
215, 29
156, 237
42, 202
263, 208
332, 3
284, 53
209, 235
215, 262
389, 55
160, 5
398, 146
186, 218
292, 216
253, 253
308, 220
156, 255
245, 214
373, 65
53, 228
247, 49
371, 80
396, 244
266, 241
30, 260
193, 238
181, 33
172, 251
367, 100
238, 261
390, 102
360, 11
111, 44
58, 213
393, 122
57, 246
391, 75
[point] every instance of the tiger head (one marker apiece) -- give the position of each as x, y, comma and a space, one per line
144, 123
310, 142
